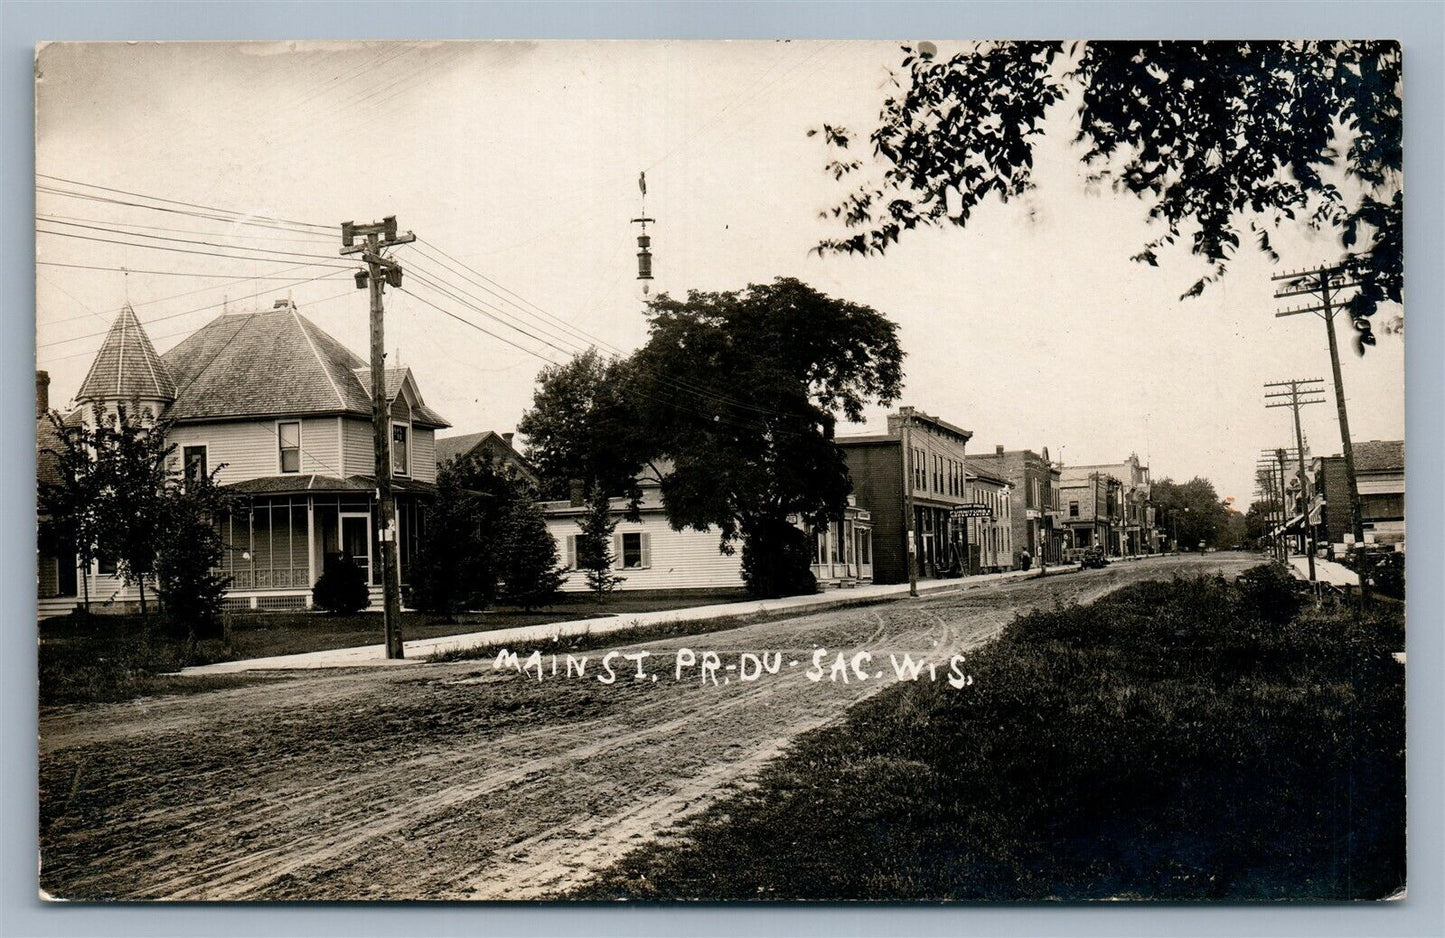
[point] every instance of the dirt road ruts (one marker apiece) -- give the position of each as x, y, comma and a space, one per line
455, 781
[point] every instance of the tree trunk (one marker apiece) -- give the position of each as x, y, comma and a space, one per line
142, 584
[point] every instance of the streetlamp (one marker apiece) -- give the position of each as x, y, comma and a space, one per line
1174, 521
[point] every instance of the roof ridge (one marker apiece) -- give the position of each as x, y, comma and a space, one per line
120, 355
302, 323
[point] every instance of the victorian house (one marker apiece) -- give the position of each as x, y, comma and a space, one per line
280, 412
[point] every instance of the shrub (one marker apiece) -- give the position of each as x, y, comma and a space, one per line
1270, 592
342, 588
777, 560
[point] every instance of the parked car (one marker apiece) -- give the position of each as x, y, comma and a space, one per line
1094, 559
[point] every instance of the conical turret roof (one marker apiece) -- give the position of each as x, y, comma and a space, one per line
127, 367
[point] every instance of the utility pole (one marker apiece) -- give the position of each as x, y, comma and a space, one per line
906, 441
1299, 394
1323, 285
1272, 463
381, 271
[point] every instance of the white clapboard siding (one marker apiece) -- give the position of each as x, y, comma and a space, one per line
423, 454
360, 452
672, 560
249, 449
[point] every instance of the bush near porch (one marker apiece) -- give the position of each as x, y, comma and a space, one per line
101, 658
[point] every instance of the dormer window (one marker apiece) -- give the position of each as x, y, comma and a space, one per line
400, 455
288, 438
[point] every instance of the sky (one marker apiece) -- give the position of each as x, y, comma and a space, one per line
516, 165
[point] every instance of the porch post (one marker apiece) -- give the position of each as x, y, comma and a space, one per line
310, 547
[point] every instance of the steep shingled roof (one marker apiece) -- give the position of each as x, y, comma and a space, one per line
127, 367
274, 363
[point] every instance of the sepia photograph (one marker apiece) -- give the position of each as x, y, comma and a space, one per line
767, 471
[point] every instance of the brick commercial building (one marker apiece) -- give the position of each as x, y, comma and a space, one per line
1380, 476
1034, 500
1089, 510
928, 453
1131, 528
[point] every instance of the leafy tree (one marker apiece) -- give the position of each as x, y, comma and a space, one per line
109, 501
1259, 520
132, 452
70, 510
742, 392
594, 544
1194, 510
190, 554
485, 539
583, 427
1222, 140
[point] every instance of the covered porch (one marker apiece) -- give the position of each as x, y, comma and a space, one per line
278, 543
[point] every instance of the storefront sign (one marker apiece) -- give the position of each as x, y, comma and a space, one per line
963, 512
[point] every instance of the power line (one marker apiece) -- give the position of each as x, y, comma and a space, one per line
136, 234
209, 208
309, 239
228, 219
174, 296
92, 335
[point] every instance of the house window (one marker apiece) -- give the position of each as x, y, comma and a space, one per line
106, 565
400, 458
636, 553
193, 459
288, 436
1073, 509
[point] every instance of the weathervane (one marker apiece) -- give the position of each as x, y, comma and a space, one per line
644, 241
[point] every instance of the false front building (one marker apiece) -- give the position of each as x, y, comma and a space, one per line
280, 411
915, 471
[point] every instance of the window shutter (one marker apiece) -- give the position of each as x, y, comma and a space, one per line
617, 551
571, 552
646, 549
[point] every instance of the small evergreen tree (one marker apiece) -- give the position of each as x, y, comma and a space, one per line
528, 569
453, 569
594, 544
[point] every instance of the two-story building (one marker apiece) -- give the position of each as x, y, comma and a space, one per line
1380, 479
1090, 513
988, 539
1133, 530
1033, 497
650, 555
281, 412
917, 463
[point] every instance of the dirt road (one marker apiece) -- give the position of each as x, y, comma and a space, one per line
458, 781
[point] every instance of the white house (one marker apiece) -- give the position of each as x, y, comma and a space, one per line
283, 411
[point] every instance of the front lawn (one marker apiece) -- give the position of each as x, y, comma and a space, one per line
1194, 739
88, 659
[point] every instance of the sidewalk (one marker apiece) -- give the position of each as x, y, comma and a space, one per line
1326, 571
417, 651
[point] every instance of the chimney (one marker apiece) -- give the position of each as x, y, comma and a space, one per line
577, 492
42, 393
507, 438
998, 449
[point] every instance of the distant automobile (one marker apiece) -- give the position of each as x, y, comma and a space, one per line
1094, 559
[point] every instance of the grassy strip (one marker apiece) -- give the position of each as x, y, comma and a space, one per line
587, 641
1194, 739
107, 658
